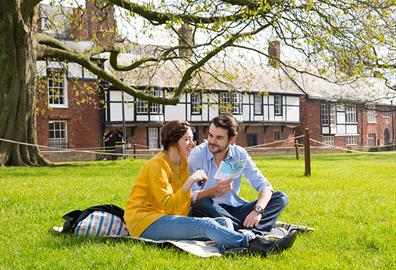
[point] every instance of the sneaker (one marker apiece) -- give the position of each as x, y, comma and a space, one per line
264, 246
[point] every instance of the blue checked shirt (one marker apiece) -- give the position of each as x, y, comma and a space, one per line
201, 158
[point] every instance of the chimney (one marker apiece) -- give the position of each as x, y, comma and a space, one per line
274, 52
100, 22
185, 40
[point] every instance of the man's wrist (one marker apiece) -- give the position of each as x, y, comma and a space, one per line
258, 209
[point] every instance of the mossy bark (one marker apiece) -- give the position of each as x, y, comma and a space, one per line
18, 85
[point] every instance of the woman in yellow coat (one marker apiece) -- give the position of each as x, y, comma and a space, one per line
158, 205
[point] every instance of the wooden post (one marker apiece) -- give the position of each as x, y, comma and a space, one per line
134, 149
296, 147
307, 153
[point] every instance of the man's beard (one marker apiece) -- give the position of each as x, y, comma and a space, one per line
217, 147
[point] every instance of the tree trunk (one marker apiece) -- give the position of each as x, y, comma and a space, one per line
18, 85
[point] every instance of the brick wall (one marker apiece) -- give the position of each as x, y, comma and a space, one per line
310, 118
84, 114
378, 128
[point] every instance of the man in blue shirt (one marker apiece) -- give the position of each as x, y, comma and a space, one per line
219, 198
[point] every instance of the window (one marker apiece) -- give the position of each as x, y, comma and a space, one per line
251, 139
57, 134
387, 114
57, 93
144, 107
387, 136
153, 138
328, 140
141, 106
351, 140
333, 119
277, 135
372, 139
371, 115
324, 114
196, 103
258, 104
278, 105
230, 102
350, 114
328, 117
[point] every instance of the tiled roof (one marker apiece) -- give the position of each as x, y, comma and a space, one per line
213, 76
368, 90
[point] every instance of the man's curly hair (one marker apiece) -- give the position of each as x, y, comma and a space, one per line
172, 131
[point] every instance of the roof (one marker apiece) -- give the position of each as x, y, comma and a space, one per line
367, 90
214, 75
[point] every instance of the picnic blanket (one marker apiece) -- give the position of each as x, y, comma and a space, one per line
204, 249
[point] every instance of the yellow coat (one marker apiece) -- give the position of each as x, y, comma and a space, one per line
157, 191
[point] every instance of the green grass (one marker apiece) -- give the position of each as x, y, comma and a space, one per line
350, 199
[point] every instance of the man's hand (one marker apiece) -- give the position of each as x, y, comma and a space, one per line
222, 187
252, 220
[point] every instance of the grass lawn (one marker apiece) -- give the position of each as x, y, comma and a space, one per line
350, 199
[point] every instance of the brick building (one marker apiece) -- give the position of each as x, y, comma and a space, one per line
358, 114
270, 104
69, 100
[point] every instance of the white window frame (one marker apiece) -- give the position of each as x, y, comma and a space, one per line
350, 114
145, 107
53, 93
196, 103
324, 114
278, 105
141, 106
153, 137
258, 104
387, 114
328, 140
351, 140
231, 98
371, 141
371, 115
333, 114
55, 141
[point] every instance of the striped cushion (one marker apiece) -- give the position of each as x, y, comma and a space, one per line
100, 223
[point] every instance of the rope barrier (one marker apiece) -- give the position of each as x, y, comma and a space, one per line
61, 149
128, 153
350, 150
270, 143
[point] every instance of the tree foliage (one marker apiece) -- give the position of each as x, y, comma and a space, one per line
349, 38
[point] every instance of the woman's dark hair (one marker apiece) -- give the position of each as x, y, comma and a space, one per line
227, 121
172, 131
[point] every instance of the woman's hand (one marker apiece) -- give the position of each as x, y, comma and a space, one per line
198, 176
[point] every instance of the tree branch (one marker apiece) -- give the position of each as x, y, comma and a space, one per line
158, 18
63, 55
188, 73
51, 42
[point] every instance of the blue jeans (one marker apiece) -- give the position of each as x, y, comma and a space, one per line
206, 207
219, 230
